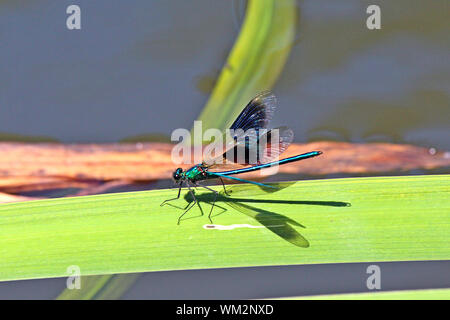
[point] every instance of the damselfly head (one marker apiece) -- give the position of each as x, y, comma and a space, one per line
177, 174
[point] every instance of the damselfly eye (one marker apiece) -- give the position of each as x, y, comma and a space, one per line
177, 174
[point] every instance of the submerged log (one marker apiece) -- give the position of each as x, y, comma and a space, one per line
26, 167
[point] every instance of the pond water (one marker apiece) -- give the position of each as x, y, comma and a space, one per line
147, 67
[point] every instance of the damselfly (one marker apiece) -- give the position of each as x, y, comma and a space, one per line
249, 137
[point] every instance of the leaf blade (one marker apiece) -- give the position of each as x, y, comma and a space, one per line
390, 219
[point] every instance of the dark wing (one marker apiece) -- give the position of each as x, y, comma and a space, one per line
269, 145
258, 112
245, 129
275, 143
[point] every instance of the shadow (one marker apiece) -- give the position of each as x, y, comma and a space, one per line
279, 224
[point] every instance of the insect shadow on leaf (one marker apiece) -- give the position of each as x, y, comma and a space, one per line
279, 224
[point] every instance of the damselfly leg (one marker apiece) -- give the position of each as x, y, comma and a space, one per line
216, 193
224, 189
177, 197
193, 203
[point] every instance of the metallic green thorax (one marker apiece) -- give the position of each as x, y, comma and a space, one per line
196, 173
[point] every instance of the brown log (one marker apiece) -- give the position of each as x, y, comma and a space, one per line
84, 162
102, 188
17, 184
54, 165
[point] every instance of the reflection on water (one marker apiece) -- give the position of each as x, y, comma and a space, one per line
205, 83
363, 120
11, 137
352, 84
147, 68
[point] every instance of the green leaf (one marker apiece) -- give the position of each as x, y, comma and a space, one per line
255, 62
315, 221
104, 287
428, 294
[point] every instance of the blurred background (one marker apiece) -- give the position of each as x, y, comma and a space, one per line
147, 67
139, 69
